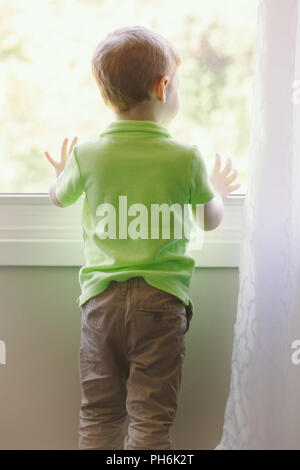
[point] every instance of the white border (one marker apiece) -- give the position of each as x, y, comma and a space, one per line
35, 232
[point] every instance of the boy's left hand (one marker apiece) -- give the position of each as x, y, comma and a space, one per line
65, 153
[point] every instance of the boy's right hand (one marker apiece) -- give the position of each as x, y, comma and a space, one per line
65, 153
221, 180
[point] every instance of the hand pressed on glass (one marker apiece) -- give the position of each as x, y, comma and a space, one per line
221, 180
59, 166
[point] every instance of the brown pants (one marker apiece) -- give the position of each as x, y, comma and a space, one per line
131, 357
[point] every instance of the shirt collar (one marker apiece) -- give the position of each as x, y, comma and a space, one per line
129, 125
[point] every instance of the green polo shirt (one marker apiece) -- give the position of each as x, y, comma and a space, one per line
137, 165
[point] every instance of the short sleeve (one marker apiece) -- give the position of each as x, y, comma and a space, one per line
201, 189
69, 185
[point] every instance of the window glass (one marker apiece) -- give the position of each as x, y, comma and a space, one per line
47, 91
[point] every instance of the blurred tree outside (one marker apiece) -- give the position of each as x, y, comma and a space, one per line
47, 90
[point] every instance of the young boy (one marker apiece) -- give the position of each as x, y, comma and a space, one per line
135, 307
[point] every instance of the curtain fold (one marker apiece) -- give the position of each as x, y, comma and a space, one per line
263, 407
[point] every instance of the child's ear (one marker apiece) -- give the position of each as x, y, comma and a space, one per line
160, 88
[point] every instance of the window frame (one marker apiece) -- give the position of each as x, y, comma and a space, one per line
35, 232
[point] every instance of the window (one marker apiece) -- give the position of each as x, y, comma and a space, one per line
47, 90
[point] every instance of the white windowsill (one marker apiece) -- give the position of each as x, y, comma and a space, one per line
35, 232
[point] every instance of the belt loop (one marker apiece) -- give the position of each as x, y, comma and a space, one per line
124, 287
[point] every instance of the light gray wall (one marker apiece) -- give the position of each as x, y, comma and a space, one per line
39, 385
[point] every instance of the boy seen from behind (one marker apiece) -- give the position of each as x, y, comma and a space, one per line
135, 304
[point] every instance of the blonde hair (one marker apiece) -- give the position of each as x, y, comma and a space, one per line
128, 62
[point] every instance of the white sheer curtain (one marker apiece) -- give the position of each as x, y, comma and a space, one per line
263, 408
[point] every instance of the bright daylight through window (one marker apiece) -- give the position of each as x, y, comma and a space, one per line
47, 91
